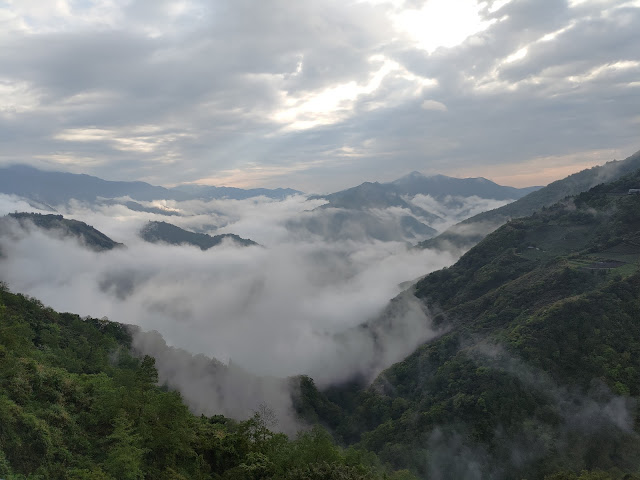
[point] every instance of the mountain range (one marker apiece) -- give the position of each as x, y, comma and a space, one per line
384, 195
470, 231
56, 188
372, 210
362, 208
533, 372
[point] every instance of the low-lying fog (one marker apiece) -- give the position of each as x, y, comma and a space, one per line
289, 306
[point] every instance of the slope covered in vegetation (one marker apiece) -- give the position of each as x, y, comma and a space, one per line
76, 404
539, 369
167, 233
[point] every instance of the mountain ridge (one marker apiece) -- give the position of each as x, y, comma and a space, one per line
470, 231
163, 232
59, 187
88, 235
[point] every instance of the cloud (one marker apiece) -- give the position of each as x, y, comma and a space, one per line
434, 105
295, 305
454, 209
313, 95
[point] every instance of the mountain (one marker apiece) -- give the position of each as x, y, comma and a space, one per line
537, 364
77, 401
439, 186
368, 211
386, 211
470, 231
89, 236
340, 224
374, 195
56, 188
205, 192
155, 232
394, 194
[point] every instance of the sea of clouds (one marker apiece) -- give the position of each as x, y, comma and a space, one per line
293, 305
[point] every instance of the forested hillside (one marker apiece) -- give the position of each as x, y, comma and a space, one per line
164, 232
76, 404
538, 372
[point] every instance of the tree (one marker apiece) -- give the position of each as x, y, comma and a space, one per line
124, 458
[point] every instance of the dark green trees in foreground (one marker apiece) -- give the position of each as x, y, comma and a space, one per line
75, 404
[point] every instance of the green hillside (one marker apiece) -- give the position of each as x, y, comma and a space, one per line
538, 371
76, 404
164, 232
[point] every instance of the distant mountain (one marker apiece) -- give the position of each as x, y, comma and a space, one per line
374, 195
439, 186
56, 188
138, 207
341, 224
206, 192
92, 238
155, 232
384, 195
372, 209
470, 231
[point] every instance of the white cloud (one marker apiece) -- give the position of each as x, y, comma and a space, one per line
338, 102
283, 309
434, 105
293, 91
442, 23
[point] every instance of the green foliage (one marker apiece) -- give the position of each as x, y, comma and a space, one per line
125, 452
75, 404
155, 232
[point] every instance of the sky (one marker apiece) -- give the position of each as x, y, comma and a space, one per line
318, 95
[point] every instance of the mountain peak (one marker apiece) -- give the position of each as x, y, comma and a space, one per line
415, 175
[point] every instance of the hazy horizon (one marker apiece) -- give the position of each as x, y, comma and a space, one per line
59, 169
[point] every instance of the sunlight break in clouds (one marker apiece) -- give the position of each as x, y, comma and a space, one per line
337, 102
442, 23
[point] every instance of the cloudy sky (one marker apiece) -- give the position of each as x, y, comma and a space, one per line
318, 95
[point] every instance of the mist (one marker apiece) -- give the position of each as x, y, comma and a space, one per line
453, 209
294, 305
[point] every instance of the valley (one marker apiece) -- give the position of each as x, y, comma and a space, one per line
506, 363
